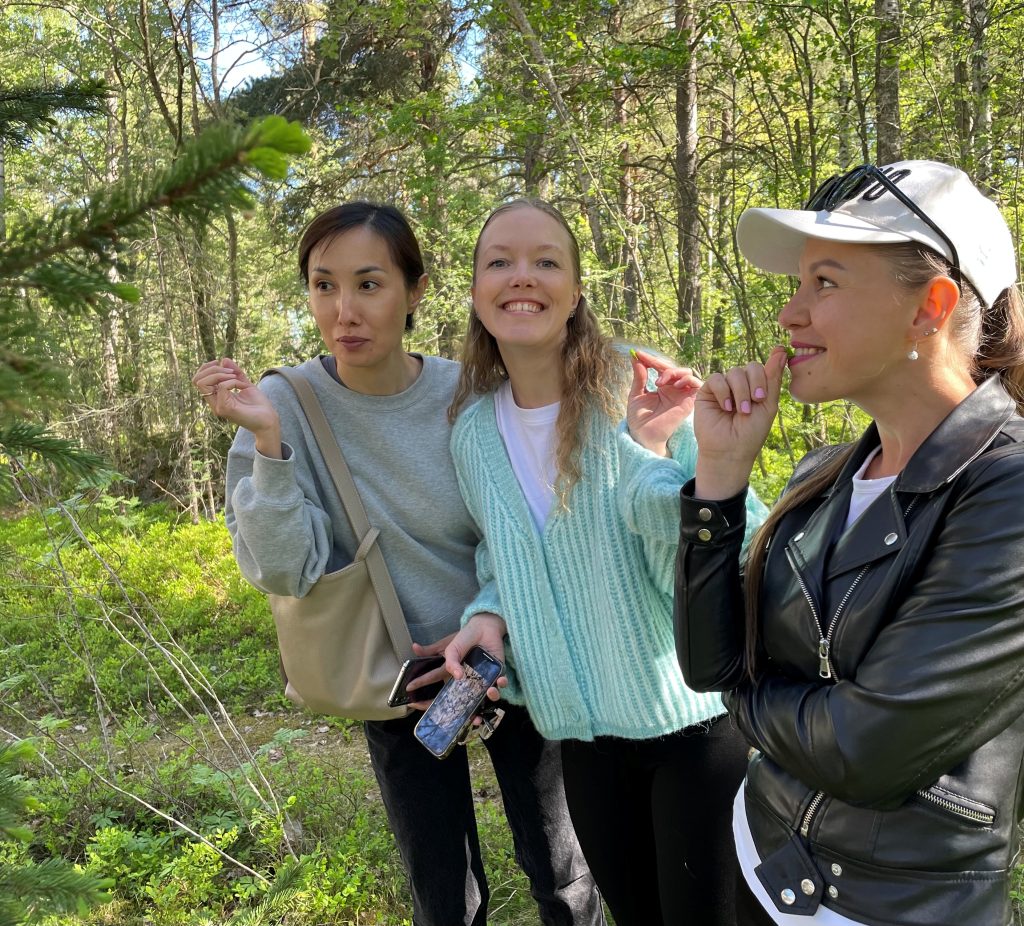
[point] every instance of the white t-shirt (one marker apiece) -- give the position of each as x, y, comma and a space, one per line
865, 491
746, 852
531, 442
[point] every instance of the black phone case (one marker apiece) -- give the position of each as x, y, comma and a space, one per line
400, 696
448, 717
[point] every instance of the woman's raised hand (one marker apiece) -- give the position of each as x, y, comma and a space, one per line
232, 396
652, 417
733, 414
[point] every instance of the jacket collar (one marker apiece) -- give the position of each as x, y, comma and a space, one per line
881, 530
960, 437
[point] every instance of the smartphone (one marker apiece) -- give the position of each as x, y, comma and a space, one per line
450, 715
414, 668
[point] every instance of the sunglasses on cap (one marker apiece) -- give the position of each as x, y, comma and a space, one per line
843, 187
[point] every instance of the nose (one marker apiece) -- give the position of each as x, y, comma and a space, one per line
522, 274
794, 313
347, 311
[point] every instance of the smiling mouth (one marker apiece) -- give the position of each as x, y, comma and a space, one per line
524, 308
804, 353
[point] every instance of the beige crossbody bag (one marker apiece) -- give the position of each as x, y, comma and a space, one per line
343, 644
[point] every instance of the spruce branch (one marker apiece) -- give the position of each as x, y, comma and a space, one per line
25, 110
209, 173
20, 440
28, 890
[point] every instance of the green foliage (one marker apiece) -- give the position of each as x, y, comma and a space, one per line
25, 110
30, 889
76, 632
73, 257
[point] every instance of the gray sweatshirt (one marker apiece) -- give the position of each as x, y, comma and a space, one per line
287, 522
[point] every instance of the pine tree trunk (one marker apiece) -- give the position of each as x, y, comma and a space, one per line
629, 214
887, 82
3, 193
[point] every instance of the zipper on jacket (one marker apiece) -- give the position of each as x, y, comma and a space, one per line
958, 810
825, 668
812, 809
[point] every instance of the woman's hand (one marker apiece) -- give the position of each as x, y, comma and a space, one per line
487, 631
653, 417
232, 396
733, 415
439, 674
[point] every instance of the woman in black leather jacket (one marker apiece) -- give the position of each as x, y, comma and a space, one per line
872, 646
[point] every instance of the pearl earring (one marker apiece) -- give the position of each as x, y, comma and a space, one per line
912, 354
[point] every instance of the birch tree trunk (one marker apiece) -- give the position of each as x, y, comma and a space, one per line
687, 199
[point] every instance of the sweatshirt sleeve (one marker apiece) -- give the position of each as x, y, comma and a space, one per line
282, 536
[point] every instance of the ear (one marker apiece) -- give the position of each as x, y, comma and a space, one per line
936, 307
576, 293
416, 293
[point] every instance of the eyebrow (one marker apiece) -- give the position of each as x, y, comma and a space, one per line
825, 262
539, 247
362, 270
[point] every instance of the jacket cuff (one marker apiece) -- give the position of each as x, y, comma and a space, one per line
711, 523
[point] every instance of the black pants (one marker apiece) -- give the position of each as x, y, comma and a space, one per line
749, 911
654, 818
430, 808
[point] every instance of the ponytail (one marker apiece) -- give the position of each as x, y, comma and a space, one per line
1002, 343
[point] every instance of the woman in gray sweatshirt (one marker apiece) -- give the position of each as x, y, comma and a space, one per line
387, 409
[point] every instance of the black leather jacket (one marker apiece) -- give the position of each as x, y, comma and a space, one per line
888, 707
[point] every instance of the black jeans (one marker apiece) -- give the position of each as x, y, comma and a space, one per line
430, 807
749, 911
654, 818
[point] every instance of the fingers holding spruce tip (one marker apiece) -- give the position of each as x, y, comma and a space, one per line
734, 413
231, 395
661, 397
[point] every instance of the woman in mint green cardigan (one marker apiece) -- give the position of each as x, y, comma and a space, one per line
579, 510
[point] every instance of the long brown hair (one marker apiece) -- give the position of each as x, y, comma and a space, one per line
988, 339
590, 363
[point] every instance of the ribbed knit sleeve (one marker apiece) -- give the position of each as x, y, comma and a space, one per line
590, 631
650, 485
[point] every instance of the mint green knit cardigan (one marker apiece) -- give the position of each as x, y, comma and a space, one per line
588, 602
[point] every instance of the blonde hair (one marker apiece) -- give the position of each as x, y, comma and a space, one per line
591, 365
989, 339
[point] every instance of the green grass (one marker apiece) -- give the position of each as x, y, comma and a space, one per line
92, 624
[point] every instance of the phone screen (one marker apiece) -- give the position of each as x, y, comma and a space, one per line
414, 668
443, 722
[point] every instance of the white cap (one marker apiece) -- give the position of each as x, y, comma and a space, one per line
773, 239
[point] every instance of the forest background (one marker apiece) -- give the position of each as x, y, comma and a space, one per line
133, 653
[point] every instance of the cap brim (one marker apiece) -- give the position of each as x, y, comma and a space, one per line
773, 239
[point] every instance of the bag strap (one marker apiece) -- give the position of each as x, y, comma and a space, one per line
366, 536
